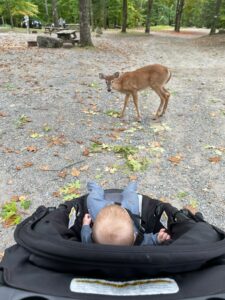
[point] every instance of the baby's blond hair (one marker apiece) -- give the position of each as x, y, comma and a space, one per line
113, 226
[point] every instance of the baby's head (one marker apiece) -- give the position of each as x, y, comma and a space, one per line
113, 226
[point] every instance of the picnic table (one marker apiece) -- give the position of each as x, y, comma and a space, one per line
50, 29
68, 36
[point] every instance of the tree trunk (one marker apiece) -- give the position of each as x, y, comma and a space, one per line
149, 9
85, 33
216, 16
105, 16
55, 13
91, 15
179, 11
46, 9
124, 16
8, 7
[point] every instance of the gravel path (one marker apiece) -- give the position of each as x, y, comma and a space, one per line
58, 91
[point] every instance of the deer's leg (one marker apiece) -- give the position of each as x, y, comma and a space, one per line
162, 97
167, 96
125, 105
135, 99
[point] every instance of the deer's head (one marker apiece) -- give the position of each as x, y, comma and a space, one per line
109, 79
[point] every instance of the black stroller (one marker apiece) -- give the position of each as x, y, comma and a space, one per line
49, 262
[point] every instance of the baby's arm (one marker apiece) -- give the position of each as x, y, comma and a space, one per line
156, 239
162, 236
86, 219
86, 229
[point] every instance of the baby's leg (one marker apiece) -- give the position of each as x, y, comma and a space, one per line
130, 198
93, 187
95, 199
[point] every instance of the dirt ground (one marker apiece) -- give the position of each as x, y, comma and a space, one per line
53, 107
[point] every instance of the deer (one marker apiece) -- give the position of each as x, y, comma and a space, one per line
130, 83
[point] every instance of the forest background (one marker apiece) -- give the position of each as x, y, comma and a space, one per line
119, 13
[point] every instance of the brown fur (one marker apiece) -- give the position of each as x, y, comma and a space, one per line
129, 83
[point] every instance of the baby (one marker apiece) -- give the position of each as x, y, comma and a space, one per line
112, 223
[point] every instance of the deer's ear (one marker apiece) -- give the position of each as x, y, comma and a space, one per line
116, 75
101, 76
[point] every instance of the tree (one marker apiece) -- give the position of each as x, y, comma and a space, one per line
55, 16
215, 16
98, 13
46, 9
124, 18
8, 8
105, 14
14, 8
85, 33
149, 9
179, 11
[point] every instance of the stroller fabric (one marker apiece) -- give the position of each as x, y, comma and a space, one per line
48, 252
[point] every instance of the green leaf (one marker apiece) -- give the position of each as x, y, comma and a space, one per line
94, 85
70, 190
182, 194
36, 135
125, 150
112, 113
25, 204
193, 203
137, 164
70, 197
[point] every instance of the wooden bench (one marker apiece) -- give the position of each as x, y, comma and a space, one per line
68, 36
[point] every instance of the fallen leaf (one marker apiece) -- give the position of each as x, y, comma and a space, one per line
2, 114
120, 129
15, 198
75, 172
32, 149
86, 152
111, 169
8, 150
22, 198
96, 141
56, 194
18, 168
114, 135
175, 159
155, 144
133, 177
84, 168
36, 135
214, 159
44, 168
79, 142
62, 174
57, 141
27, 164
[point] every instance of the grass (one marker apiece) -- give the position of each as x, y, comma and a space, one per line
7, 28
161, 27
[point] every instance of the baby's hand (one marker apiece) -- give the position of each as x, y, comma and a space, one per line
87, 219
163, 236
